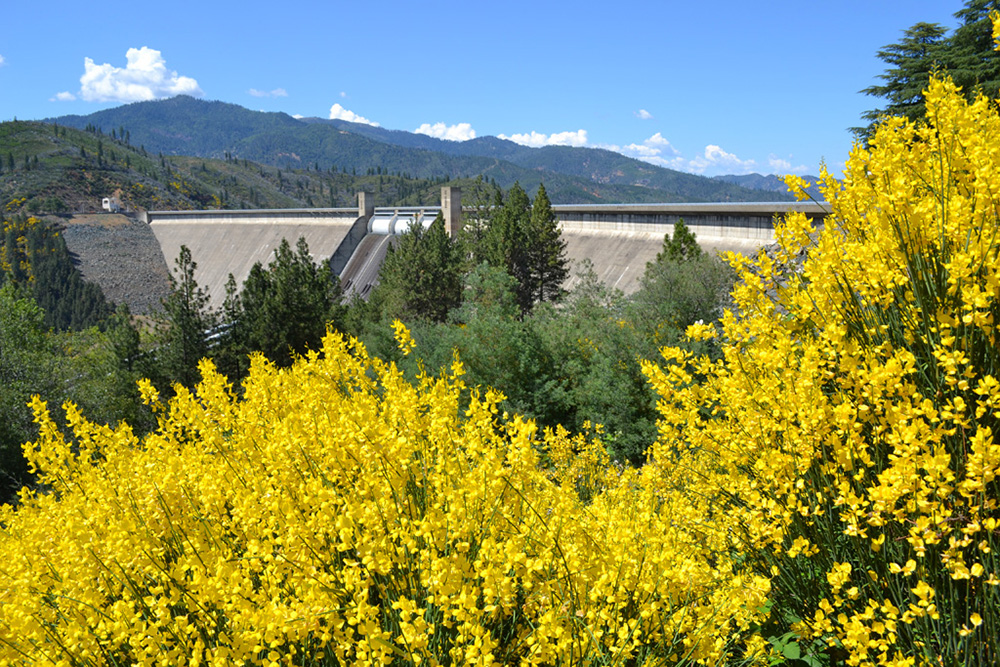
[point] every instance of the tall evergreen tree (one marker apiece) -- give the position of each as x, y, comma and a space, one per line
284, 310
683, 246
506, 241
971, 60
188, 320
524, 240
967, 56
421, 277
910, 64
482, 203
547, 265
230, 349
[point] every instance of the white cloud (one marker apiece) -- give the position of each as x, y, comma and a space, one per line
640, 151
643, 114
2, 61
459, 132
64, 96
144, 77
343, 94
778, 164
658, 140
537, 139
297, 116
277, 92
715, 161
781, 166
338, 112
651, 150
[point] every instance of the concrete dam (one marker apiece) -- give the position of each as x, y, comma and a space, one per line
617, 239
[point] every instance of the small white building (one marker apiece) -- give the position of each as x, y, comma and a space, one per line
111, 204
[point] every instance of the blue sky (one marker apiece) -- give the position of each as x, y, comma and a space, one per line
704, 87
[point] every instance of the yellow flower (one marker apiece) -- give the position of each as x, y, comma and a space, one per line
403, 338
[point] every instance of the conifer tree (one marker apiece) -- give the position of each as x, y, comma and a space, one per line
284, 309
524, 240
188, 320
547, 251
966, 56
682, 247
421, 277
910, 64
505, 244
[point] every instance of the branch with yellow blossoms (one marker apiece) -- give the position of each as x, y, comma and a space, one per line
336, 514
846, 443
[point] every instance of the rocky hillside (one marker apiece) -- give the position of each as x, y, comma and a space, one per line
122, 256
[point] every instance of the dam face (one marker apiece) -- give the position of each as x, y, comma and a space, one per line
617, 239
224, 242
620, 239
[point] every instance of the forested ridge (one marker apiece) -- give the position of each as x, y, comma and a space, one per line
51, 169
186, 126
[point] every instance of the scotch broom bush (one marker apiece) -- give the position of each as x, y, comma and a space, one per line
846, 444
336, 514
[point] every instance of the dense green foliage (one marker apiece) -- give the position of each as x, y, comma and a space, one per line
966, 56
188, 322
91, 368
522, 238
282, 310
25, 369
421, 276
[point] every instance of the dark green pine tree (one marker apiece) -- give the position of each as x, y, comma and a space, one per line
478, 216
188, 321
506, 241
971, 60
547, 264
682, 247
230, 352
284, 310
910, 64
421, 277
967, 56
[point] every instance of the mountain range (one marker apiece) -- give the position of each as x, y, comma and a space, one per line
185, 126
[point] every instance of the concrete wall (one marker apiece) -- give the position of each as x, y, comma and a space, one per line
224, 242
620, 240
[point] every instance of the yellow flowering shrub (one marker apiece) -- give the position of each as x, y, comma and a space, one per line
338, 514
846, 444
